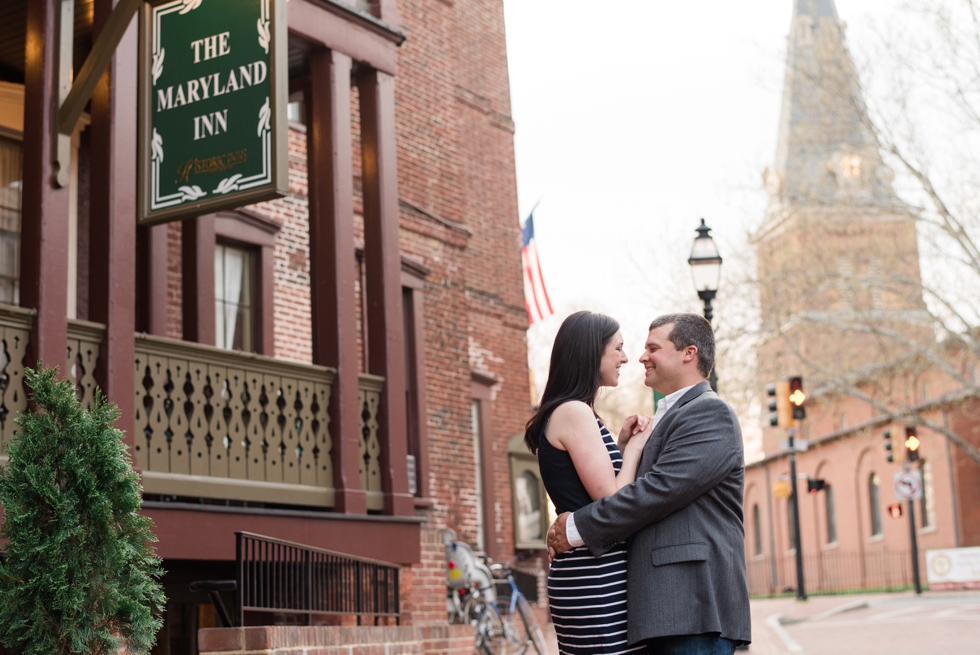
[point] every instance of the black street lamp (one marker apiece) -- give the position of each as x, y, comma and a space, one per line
706, 266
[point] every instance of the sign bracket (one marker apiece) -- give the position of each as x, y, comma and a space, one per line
74, 97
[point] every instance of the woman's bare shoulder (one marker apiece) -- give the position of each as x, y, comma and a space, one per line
572, 411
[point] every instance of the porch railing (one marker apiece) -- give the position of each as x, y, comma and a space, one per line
212, 423
15, 330
84, 342
84, 339
215, 423
369, 397
281, 576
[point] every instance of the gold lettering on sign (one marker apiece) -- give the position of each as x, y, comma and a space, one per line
216, 164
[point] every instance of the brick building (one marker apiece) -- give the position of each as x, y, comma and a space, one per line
377, 307
842, 298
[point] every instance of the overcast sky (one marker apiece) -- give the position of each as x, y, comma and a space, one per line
634, 120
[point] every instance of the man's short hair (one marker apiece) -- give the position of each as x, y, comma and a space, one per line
691, 330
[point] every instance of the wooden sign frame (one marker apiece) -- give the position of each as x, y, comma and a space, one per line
207, 141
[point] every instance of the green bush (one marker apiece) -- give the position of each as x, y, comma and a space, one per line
79, 575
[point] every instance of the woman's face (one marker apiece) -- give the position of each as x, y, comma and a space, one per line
612, 358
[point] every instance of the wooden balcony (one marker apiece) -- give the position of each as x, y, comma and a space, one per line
15, 329
213, 423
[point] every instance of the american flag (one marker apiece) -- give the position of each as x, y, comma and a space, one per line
535, 295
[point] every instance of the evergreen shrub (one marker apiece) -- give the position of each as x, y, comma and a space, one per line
80, 575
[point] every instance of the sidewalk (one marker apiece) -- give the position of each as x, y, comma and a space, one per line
893, 623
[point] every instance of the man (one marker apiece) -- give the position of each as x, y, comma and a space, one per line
682, 518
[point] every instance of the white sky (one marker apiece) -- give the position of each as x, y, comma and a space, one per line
634, 120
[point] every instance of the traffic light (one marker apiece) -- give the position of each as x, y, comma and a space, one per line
813, 485
911, 444
780, 409
889, 455
895, 510
797, 398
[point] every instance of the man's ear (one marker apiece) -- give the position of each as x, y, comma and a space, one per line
690, 353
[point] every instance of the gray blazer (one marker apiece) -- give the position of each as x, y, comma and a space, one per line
682, 521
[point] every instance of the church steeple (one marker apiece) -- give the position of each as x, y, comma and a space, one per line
827, 153
837, 254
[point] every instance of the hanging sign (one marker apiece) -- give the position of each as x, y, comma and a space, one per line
212, 106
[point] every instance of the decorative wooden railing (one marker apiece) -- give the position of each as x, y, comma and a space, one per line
15, 330
212, 423
84, 341
369, 398
216, 423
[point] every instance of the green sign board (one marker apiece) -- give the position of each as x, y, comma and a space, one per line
213, 93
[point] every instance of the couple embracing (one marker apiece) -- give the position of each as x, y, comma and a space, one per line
647, 550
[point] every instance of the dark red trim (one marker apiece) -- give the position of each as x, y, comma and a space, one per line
332, 263
44, 224
197, 279
112, 269
383, 276
333, 26
205, 532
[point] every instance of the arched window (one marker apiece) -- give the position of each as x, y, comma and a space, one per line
831, 514
874, 498
531, 513
527, 501
757, 528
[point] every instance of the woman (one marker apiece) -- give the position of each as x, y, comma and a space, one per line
580, 463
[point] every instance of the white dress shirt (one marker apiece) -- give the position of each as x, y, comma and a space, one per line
571, 532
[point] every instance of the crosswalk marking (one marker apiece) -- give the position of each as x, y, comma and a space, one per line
898, 612
955, 610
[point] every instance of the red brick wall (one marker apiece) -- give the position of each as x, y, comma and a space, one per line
323, 640
458, 217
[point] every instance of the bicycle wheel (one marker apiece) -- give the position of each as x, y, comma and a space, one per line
487, 628
532, 632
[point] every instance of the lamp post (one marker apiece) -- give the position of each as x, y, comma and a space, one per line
706, 266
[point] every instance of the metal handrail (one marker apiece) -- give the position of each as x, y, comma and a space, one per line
274, 575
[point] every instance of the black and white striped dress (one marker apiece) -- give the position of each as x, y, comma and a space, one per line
587, 594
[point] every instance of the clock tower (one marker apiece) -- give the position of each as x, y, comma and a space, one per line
838, 261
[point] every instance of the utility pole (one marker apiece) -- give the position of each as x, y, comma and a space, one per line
795, 500
912, 444
915, 542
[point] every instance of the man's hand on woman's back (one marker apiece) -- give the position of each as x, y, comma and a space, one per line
557, 541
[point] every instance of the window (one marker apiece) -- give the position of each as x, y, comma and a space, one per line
831, 514
233, 298
10, 212
476, 418
757, 528
481, 412
413, 289
851, 165
530, 502
874, 498
928, 502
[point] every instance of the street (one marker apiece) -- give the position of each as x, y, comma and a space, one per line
869, 624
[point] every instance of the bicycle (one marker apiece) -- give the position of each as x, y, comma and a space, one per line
472, 598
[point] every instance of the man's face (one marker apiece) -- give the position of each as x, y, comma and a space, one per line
664, 364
